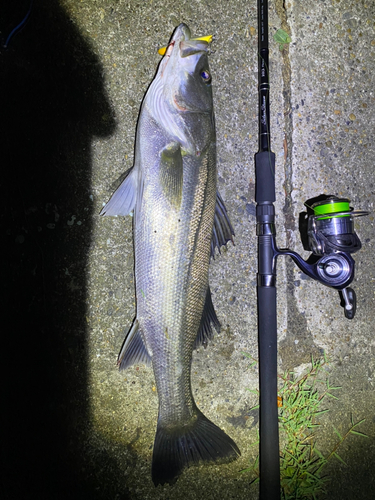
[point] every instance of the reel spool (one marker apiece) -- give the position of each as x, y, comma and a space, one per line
331, 228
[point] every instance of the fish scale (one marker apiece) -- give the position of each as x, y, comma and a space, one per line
183, 298
179, 220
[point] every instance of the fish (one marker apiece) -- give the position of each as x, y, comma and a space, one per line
179, 220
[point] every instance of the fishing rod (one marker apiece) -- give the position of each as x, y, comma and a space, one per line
327, 230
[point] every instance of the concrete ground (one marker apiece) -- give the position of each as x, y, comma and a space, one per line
73, 81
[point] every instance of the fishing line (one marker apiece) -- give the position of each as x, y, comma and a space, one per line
19, 26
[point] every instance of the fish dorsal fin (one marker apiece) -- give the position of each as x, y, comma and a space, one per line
171, 173
124, 199
133, 350
222, 230
209, 318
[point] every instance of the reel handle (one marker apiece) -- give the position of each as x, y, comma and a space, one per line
348, 302
335, 270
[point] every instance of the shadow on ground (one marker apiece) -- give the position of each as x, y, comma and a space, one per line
52, 104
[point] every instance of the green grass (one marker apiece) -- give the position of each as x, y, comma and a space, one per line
301, 463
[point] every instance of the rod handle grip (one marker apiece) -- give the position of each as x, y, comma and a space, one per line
265, 177
269, 433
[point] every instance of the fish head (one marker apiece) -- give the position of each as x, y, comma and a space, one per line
186, 73
181, 94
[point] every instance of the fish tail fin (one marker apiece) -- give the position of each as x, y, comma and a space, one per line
178, 447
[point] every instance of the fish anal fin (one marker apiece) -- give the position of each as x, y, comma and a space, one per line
180, 446
171, 173
133, 350
209, 318
222, 231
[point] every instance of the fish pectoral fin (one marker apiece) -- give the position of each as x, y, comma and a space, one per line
133, 349
209, 318
124, 199
222, 231
171, 173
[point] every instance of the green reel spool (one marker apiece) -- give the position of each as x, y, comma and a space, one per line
334, 207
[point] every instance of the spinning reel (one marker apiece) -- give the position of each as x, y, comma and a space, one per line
331, 239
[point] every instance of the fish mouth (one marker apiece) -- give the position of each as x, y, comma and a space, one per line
187, 45
190, 47
181, 46
181, 32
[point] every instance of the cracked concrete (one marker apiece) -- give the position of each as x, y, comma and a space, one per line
296, 325
76, 77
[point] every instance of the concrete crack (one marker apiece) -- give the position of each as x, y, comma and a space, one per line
298, 345
288, 126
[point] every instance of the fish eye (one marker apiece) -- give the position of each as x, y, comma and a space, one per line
206, 77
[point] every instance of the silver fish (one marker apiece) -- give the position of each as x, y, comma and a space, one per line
179, 220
